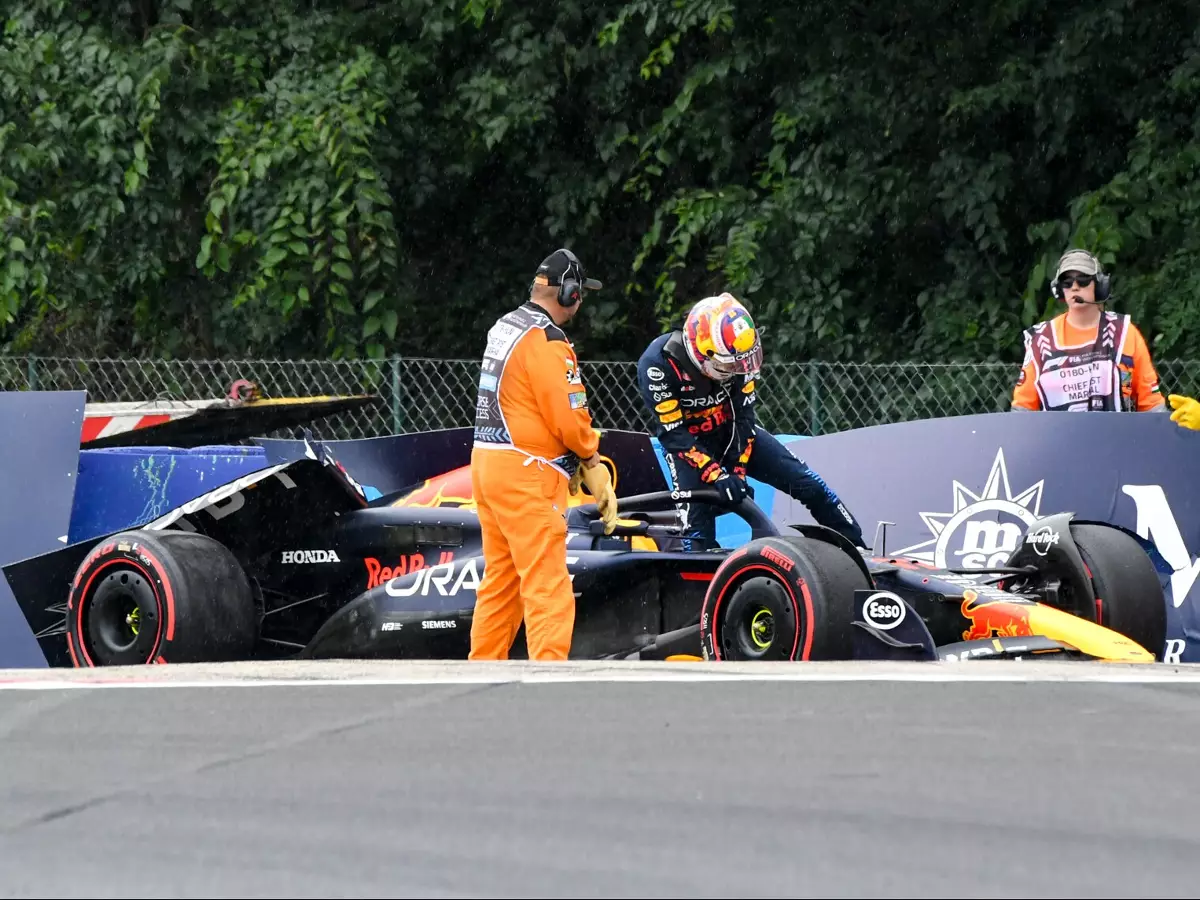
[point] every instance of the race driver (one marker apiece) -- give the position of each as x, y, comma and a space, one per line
1086, 358
699, 384
532, 430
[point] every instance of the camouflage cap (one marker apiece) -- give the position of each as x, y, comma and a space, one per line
1077, 261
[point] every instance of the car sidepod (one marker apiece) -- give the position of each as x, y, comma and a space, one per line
638, 604
420, 614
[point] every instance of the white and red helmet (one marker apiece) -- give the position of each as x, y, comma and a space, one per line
721, 338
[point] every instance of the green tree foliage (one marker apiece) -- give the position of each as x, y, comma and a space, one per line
366, 177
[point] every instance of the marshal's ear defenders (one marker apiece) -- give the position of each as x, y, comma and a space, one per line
1103, 279
571, 282
570, 291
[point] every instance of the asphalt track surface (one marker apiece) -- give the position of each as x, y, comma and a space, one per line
603, 781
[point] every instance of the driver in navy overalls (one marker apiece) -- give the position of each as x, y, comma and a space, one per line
698, 382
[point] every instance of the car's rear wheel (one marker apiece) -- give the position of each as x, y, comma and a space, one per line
159, 597
782, 598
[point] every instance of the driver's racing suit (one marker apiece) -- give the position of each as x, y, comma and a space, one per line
708, 431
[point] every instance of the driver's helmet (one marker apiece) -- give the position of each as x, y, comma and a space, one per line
721, 338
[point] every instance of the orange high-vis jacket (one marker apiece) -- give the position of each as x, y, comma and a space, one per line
1135, 369
531, 394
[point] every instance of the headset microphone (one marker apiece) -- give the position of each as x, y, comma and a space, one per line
1101, 279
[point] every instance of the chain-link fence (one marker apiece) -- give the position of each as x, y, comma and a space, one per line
423, 394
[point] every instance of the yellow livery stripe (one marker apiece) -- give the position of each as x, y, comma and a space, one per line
1088, 637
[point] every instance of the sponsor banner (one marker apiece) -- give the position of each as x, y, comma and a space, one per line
961, 491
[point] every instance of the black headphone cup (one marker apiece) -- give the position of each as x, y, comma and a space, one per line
569, 292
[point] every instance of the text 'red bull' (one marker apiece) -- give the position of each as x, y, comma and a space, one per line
994, 618
378, 574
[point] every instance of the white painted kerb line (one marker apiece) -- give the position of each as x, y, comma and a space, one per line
950, 674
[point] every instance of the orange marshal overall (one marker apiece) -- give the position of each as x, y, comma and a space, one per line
532, 426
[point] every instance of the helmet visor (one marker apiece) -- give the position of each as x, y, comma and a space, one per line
741, 363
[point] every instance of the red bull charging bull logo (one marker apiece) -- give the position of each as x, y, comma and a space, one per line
994, 618
452, 489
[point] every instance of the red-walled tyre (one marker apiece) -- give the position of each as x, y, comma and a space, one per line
160, 597
782, 598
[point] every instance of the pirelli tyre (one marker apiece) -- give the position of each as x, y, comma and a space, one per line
159, 597
1129, 596
782, 598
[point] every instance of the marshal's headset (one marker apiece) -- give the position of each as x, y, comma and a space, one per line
1102, 279
570, 290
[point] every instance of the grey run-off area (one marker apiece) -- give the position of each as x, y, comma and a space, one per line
600, 780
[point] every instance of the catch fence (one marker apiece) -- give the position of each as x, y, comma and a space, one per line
422, 394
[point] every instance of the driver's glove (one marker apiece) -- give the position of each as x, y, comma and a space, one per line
731, 488
740, 472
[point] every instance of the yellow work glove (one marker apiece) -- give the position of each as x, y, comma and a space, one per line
577, 478
1187, 411
599, 483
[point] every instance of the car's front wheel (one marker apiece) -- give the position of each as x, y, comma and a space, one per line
1128, 594
782, 598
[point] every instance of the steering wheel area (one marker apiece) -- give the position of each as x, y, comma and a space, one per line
655, 515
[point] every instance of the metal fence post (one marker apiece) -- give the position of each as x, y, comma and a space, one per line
814, 398
397, 407
31, 372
